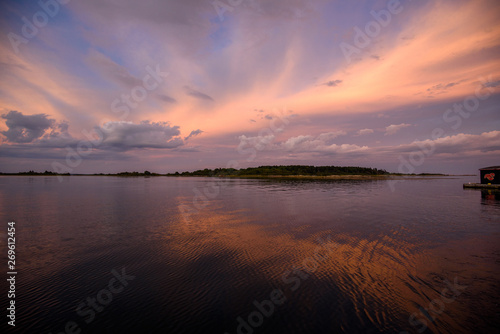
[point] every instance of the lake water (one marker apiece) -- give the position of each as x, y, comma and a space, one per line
201, 255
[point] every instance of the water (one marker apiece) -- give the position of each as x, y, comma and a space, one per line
252, 256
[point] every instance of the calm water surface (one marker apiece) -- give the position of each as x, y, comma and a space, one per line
251, 256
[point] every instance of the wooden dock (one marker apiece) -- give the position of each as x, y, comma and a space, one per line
481, 186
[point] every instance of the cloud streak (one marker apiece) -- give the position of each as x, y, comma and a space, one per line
333, 83
462, 143
363, 132
395, 128
197, 94
193, 133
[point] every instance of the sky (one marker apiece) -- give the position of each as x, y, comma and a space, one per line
109, 86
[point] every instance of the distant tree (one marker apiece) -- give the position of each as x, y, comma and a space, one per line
288, 170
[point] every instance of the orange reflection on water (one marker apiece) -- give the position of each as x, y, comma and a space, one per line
385, 277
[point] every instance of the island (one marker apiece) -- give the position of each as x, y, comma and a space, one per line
264, 172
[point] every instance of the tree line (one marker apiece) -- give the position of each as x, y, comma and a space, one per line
285, 171
278, 170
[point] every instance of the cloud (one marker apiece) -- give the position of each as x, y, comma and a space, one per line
458, 144
492, 84
38, 152
299, 143
261, 142
329, 136
323, 144
194, 133
36, 131
25, 129
58, 137
363, 132
166, 98
112, 71
197, 94
332, 83
393, 128
40, 131
124, 136
408, 38
441, 88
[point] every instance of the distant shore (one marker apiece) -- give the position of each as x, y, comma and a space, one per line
270, 177
338, 177
287, 172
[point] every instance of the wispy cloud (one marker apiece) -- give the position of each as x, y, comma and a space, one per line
323, 143
363, 132
197, 94
461, 143
194, 134
332, 83
395, 128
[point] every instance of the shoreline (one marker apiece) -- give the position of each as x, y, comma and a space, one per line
274, 177
333, 177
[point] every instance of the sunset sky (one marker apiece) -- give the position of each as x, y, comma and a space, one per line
93, 86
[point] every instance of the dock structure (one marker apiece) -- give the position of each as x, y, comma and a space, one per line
489, 177
481, 186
